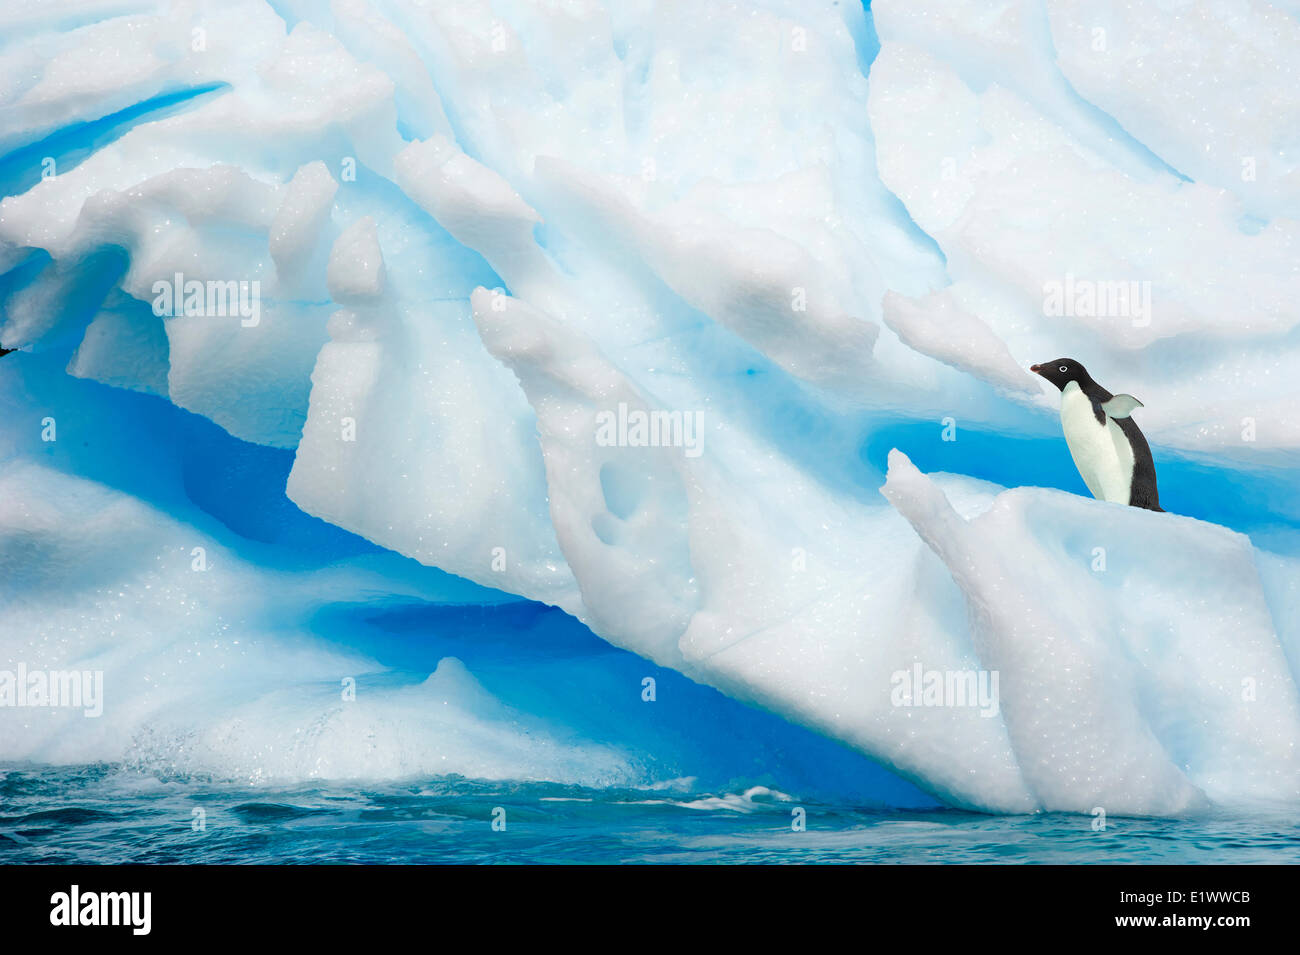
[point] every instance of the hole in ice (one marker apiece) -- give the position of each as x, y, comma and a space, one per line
1251, 224
624, 489
605, 528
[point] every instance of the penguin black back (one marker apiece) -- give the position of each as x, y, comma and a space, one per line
1144, 492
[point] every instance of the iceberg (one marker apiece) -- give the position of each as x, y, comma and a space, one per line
317, 310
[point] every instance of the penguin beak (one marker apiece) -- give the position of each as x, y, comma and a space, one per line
1036, 369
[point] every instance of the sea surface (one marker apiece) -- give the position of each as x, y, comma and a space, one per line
105, 814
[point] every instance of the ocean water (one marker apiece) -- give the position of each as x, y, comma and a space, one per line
106, 814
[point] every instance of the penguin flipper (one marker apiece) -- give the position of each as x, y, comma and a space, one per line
1121, 406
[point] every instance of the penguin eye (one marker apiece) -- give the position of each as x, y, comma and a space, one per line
1064, 368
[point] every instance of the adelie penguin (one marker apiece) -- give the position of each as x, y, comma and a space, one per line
1108, 448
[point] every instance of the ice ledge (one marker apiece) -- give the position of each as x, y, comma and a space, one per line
1140, 670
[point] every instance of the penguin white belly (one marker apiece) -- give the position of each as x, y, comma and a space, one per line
1101, 452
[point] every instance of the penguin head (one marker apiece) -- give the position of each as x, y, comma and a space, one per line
1062, 371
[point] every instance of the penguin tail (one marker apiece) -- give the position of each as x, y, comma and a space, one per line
1148, 506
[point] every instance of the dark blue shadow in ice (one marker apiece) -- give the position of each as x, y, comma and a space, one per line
539, 660
176, 461
67, 147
